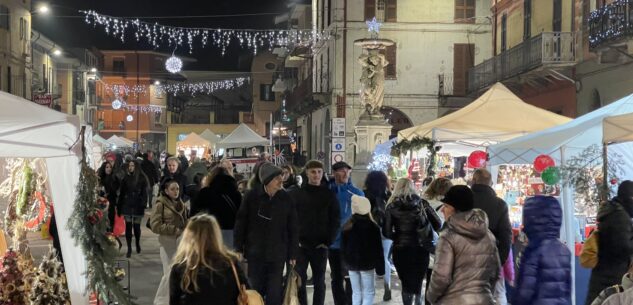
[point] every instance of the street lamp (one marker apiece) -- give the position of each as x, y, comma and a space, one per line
57, 52
43, 9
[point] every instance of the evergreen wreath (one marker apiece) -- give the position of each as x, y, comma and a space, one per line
418, 143
88, 228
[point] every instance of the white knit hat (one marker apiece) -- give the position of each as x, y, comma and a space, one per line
360, 205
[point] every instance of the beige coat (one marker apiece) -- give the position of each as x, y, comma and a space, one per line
168, 217
466, 262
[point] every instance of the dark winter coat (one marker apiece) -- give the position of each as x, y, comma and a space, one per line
615, 247
498, 219
182, 182
545, 270
378, 204
217, 288
403, 218
319, 216
220, 199
361, 245
466, 262
133, 196
266, 229
150, 170
111, 185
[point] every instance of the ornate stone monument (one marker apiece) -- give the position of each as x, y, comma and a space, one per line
372, 127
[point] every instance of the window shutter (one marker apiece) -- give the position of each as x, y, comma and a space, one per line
370, 9
391, 11
463, 59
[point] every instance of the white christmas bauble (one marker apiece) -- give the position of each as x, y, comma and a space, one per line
130, 118
116, 104
173, 64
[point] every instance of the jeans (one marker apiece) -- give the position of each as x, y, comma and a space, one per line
341, 286
317, 259
363, 290
500, 292
267, 279
386, 246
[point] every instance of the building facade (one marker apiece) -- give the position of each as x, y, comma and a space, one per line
15, 47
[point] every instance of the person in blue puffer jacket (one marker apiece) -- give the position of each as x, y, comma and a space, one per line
342, 186
545, 270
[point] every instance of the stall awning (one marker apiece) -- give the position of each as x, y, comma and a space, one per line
193, 140
210, 136
618, 129
243, 137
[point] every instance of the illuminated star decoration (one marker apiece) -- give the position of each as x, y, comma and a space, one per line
373, 26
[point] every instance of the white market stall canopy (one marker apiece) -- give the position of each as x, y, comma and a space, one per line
28, 130
618, 129
496, 116
98, 139
210, 136
193, 140
120, 142
243, 137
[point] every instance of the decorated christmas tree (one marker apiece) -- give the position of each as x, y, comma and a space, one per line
14, 288
49, 285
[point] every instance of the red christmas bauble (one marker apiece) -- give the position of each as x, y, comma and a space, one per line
477, 159
542, 162
614, 181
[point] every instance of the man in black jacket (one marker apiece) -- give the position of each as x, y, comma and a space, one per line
267, 233
498, 221
153, 176
318, 214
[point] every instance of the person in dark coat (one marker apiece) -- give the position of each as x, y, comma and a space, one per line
615, 241
361, 246
267, 233
174, 171
318, 215
153, 176
110, 184
202, 272
184, 163
290, 179
498, 221
404, 217
545, 270
219, 197
131, 204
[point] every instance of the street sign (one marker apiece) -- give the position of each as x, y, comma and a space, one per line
43, 99
338, 156
338, 144
338, 127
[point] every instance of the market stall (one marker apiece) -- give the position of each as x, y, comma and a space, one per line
242, 146
28, 130
119, 142
194, 144
211, 137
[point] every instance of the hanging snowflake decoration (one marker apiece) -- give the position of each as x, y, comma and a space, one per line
173, 64
116, 104
130, 118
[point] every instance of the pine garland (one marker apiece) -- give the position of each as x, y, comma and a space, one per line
50, 285
90, 234
418, 143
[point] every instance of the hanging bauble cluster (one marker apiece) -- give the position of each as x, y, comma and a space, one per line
117, 104
173, 64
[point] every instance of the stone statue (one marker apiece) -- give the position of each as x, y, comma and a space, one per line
373, 81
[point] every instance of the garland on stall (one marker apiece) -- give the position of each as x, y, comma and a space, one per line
415, 144
88, 228
50, 285
16, 274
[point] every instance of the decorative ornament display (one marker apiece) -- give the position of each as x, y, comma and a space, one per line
477, 159
542, 162
12, 281
49, 285
551, 175
158, 35
373, 26
116, 104
92, 239
173, 64
129, 118
95, 217
613, 181
418, 143
119, 274
144, 108
380, 162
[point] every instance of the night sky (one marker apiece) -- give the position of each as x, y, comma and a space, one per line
62, 28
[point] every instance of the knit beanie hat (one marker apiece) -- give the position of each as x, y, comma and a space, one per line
267, 172
460, 197
360, 205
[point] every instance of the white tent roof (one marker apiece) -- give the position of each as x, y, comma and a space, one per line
193, 140
99, 139
120, 141
617, 129
243, 136
574, 136
497, 115
28, 130
210, 136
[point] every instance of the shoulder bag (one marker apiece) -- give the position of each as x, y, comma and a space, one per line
246, 296
589, 253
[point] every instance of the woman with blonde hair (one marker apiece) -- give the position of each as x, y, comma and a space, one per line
404, 220
203, 267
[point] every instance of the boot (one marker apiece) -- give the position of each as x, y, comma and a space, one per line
407, 298
387, 296
128, 240
137, 236
418, 299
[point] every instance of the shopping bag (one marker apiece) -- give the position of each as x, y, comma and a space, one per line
119, 226
589, 253
291, 295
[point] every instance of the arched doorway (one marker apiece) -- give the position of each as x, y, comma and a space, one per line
397, 119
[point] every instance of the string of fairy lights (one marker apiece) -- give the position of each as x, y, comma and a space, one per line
159, 35
608, 22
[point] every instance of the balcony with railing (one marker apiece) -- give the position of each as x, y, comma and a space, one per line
610, 23
550, 50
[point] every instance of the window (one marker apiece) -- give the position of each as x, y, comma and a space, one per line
4, 17
383, 10
527, 19
118, 65
464, 11
463, 60
390, 56
558, 16
266, 92
504, 32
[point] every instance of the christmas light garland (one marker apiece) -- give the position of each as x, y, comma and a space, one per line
176, 88
157, 35
610, 22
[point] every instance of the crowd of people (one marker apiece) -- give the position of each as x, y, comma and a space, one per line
217, 231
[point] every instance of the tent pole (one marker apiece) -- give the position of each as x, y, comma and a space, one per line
567, 204
605, 172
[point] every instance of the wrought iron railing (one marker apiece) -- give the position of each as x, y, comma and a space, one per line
546, 48
610, 22
445, 84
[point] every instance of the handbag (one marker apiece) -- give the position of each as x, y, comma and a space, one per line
589, 253
425, 234
246, 296
291, 295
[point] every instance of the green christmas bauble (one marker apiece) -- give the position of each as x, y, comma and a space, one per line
551, 175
